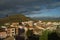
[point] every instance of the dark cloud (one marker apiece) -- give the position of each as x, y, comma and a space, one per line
26, 6
53, 5
11, 4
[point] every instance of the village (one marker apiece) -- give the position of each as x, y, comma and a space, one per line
20, 28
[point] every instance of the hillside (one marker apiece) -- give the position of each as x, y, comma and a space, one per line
14, 18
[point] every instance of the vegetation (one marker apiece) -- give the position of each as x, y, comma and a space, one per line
44, 36
14, 18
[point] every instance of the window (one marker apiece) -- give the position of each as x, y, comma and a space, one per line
13, 29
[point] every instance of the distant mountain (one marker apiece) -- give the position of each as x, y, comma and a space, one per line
47, 18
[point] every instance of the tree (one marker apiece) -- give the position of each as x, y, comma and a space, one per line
44, 35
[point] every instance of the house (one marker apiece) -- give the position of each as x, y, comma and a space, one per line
39, 21
51, 28
55, 23
4, 27
3, 33
24, 23
49, 23
7, 24
11, 31
15, 25
59, 23
30, 23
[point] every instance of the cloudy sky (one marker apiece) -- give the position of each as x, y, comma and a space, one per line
30, 8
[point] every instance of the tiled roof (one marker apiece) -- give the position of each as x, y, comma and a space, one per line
2, 30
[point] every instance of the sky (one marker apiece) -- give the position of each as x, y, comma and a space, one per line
30, 8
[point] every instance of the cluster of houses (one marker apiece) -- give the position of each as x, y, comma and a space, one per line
12, 29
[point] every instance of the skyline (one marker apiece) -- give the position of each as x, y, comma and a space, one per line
30, 8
